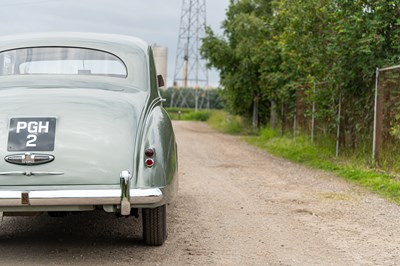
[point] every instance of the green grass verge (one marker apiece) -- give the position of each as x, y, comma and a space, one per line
217, 119
226, 123
188, 114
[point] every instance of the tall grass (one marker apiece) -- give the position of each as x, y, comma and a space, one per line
298, 149
389, 158
226, 123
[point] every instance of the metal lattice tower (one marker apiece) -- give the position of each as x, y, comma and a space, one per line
190, 69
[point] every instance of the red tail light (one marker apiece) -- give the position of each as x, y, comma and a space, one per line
149, 152
149, 160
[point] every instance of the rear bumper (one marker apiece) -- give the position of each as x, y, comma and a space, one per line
139, 197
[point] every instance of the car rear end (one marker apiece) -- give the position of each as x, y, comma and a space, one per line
77, 126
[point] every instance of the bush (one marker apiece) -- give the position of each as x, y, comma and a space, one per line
197, 116
188, 114
226, 123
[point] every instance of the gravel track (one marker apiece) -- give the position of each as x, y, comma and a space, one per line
237, 205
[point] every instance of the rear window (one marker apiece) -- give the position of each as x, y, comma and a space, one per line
61, 61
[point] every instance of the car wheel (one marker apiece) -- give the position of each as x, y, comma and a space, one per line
154, 225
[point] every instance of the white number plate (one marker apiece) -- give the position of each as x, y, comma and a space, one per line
32, 134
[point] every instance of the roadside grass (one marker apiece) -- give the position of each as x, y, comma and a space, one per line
390, 158
357, 168
188, 114
217, 119
226, 123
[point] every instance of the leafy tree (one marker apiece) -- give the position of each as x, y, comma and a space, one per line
235, 53
270, 49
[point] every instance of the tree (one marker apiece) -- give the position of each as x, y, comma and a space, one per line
235, 53
271, 49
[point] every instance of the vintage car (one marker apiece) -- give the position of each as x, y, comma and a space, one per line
82, 128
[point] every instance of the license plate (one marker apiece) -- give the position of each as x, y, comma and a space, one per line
32, 134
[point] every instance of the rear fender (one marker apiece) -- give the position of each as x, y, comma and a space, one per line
157, 134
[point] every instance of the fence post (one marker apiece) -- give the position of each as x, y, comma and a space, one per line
272, 119
313, 115
338, 125
283, 119
375, 137
295, 120
196, 99
255, 111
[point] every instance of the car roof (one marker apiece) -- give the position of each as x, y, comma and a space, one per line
83, 39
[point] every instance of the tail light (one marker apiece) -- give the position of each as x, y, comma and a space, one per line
149, 152
149, 161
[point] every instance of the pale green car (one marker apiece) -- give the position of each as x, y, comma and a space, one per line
82, 128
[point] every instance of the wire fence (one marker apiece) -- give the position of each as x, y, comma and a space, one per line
338, 119
317, 111
386, 132
370, 123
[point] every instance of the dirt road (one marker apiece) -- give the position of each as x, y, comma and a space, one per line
236, 206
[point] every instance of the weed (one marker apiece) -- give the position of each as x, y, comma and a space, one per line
197, 116
226, 123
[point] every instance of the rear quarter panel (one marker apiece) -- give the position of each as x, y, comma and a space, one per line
159, 135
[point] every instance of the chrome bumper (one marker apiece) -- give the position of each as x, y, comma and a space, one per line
78, 197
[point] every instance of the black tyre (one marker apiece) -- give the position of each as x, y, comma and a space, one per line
154, 225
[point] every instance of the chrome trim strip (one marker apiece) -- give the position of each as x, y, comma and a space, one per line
80, 197
29, 173
13, 173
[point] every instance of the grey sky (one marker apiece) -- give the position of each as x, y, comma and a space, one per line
155, 21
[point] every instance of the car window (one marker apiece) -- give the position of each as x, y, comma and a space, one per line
61, 61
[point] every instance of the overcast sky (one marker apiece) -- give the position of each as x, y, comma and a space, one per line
155, 21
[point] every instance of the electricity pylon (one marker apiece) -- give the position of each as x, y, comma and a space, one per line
190, 69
